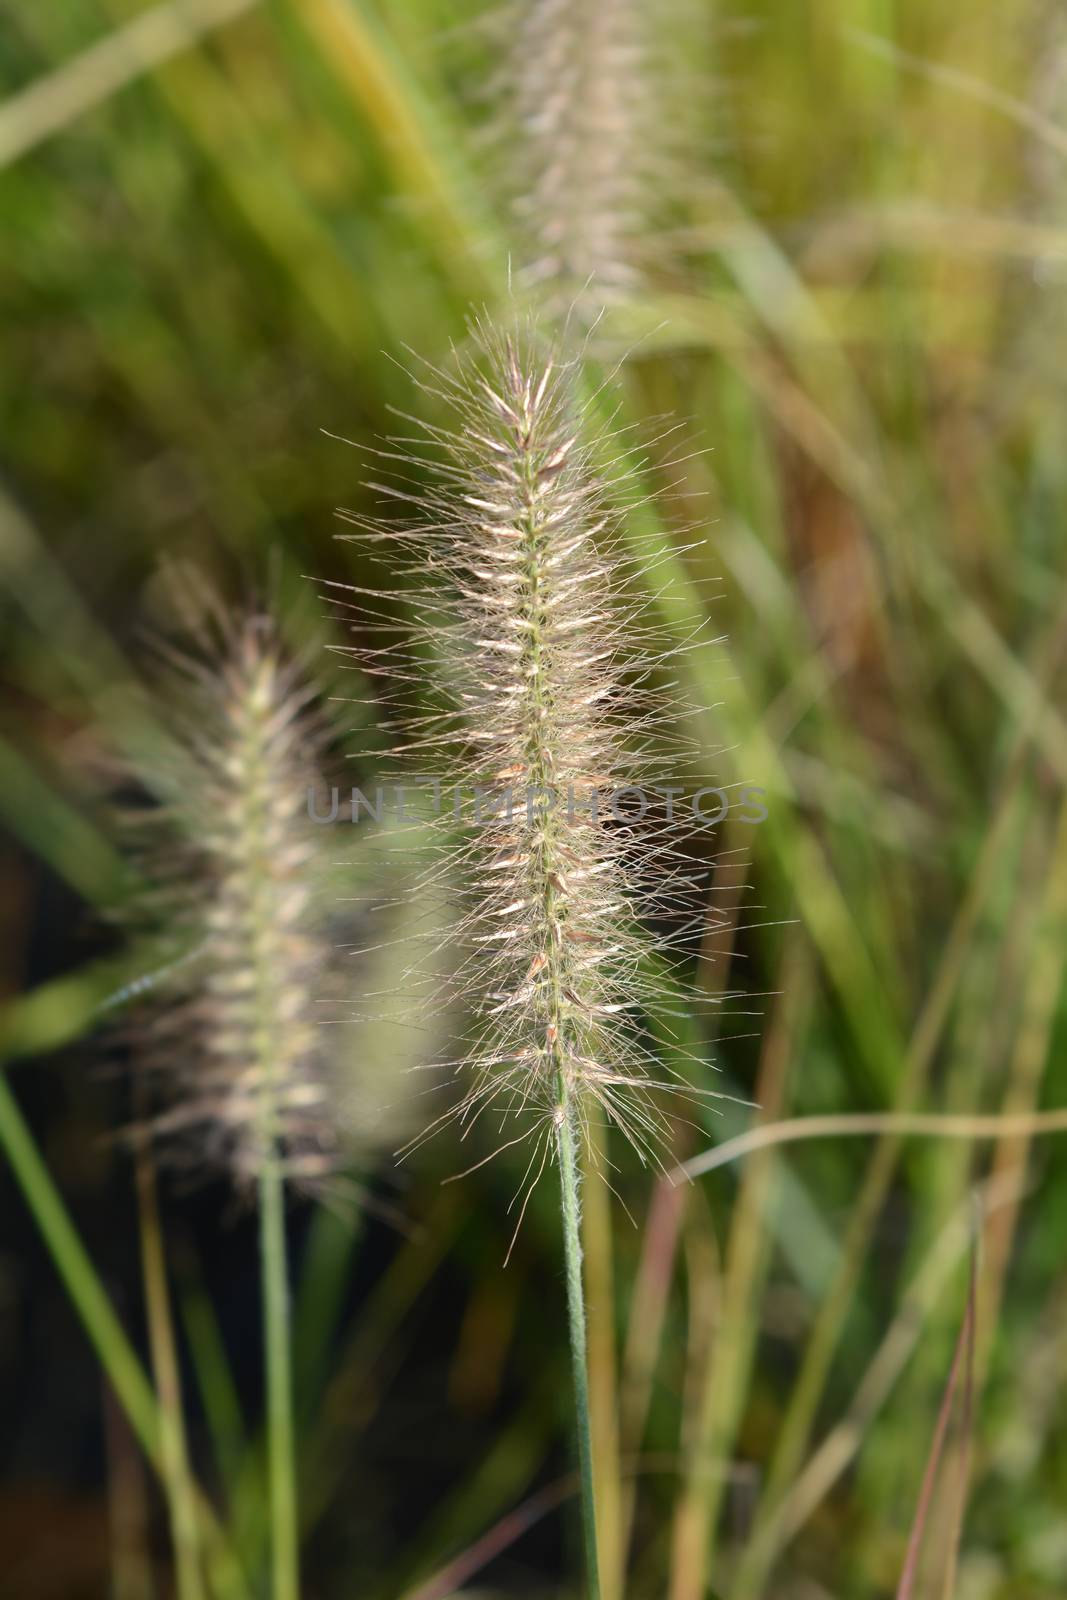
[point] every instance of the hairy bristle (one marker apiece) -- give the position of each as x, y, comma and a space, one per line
548, 714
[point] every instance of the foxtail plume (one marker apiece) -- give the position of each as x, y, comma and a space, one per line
549, 715
233, 1046
582, 130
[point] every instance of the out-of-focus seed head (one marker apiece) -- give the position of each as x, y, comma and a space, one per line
1048, 96
578, 111
232, 1041
594, 129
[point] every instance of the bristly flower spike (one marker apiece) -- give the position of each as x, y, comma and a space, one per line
549, 713
550, 717
235, 1048
578, 97
596, 130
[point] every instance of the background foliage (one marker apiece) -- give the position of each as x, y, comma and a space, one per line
209, 260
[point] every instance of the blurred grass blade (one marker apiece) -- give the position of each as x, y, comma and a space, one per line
174, 1457
509, 1467
126, 54
725, 1381
645, 1329
326, 1271
51, 826
864, 1124
356, 47
215, 1382
130, 1558
962, 1363
986, 94
844, 1441
357, 1384
79, 1276
511, 1527
908, 1085
966, 1446
1041, 1001
106, 1334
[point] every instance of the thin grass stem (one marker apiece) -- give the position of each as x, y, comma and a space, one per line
181, 1502
603, 1379
572, 1250
283, 1523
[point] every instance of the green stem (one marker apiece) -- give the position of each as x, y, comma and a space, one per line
283, 1522
601, 1364
178, 1487
572, 1249
326, 1273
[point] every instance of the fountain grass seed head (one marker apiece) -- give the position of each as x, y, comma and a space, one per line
536, 683
233, 1044
576, 93
594, 133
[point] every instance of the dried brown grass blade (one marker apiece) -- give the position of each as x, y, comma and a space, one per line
510, 1527
962, 1365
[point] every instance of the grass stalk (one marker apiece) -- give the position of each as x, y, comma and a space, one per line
181, 1503
572, 1249
282, 1484
603, 1375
